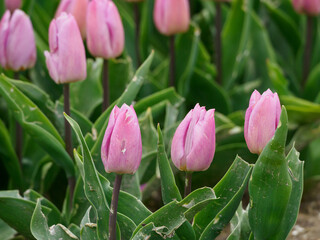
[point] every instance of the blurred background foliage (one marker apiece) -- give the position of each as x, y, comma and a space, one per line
263, 45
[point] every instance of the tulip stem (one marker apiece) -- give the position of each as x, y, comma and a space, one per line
172, 61
67, 136
114, 208
105, 104
307, 51
137, 36
218, 47
188, 181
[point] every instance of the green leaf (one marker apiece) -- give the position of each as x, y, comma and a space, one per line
296, 175
127, 97
171, 216
285, 24
187, 47
40, 230
166, 94
229, 192
36, 124
9, 157
270, 185
311, 89
278, 80
6, 232
54, 216
299, 110
169, 189
88, 228
17, 211
240, 228
92, 184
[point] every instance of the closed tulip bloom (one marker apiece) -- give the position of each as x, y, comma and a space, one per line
12, 4
17, 44
121, 148
66, 60
78, 8
193, 144
308, 7
261, 121
105, 34
171, 16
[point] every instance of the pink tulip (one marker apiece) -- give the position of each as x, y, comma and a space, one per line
105, 34
308, 7
193, 144
12, 4
17, 44
66, 60
171, 16
261, 121
78, 8
121, 148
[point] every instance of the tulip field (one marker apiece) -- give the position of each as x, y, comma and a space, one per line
159, 119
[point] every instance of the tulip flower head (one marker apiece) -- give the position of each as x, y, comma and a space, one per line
171, 16
308, 7
261, 120
105, 34
17, 44
78, 8
193, 144
121, 148
12, 4
66, 60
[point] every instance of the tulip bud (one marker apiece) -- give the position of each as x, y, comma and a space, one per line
105, 34
121, 148
78, 8
308, 7
261, 121
66, 60
193, 144
17, 44
12, 4
171, 16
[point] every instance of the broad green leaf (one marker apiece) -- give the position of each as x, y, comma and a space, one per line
285, 24
9, 157
127, 97
88, 228
169, 189
270, 185
312, 87
126, 201
36, 124
187, 47
40, 230
235, 37
299, 110
6, 232
280, 83
166, 94
240, 228
54, 216
92, 184
296, 175
148, 133
17, 211
221, 219
228, 191
171, 216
